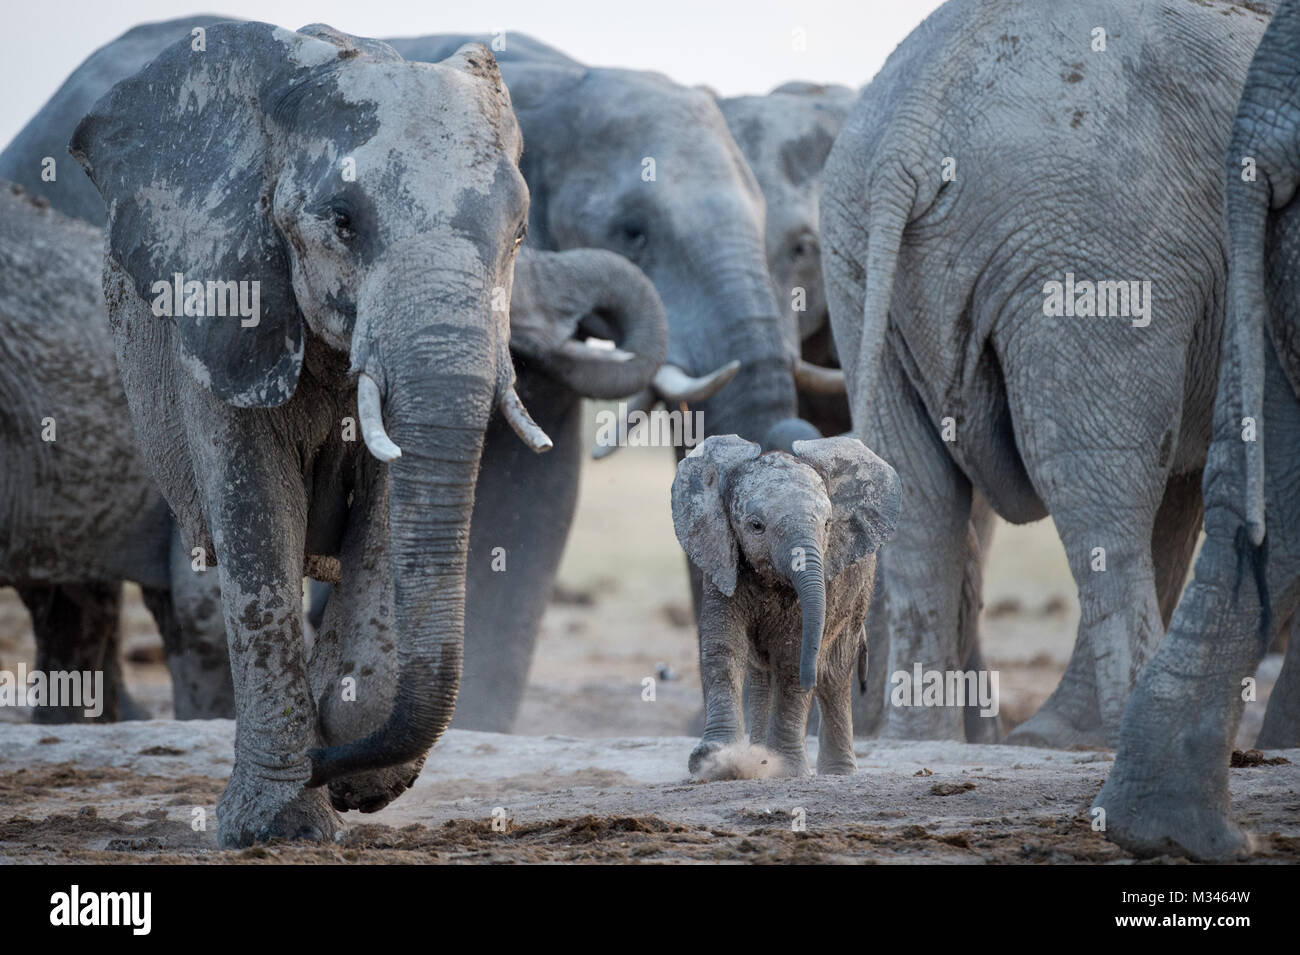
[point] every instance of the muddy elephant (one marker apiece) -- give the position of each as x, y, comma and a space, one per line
786, 544
1168, 790
336, 264
82, 513
514, 548
1028, 304
522, 512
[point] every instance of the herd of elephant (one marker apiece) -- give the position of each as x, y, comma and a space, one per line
1043, 264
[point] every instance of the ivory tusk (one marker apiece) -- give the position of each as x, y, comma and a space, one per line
674, 385
519, 419
372, 421
816, 380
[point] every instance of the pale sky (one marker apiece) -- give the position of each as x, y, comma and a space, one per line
734, 46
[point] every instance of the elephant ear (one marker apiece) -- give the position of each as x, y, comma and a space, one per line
181, 154
700, 509
865, 495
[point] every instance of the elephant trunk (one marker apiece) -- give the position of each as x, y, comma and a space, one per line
589, 293
810, 584
737, 321
431, 497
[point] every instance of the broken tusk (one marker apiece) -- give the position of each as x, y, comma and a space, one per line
519, 419
372, 421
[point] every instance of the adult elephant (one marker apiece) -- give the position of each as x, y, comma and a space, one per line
80, 511
631, 162
524, 504
1168, 790
359, 215
1006, 150
514, 548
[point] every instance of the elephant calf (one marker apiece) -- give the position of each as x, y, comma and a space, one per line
786, 544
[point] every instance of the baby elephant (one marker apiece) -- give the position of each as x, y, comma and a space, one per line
786, 544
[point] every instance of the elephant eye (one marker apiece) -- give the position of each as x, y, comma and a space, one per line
805, 247
339, 216
520, 233
631, 236
756, 525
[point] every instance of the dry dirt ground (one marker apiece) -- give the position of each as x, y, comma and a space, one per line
601, 774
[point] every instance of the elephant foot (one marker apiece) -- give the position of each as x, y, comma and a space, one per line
256, 809
837, 767
1051, 728
1169, 825
372, 791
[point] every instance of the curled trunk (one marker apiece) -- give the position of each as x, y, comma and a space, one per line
431, 497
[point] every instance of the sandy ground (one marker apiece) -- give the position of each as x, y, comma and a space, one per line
601, 775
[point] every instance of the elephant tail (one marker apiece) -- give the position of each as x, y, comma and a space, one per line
891, 204
1247, 320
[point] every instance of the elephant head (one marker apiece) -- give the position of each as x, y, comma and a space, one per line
343, 198
801, 519
785, 137
632, 162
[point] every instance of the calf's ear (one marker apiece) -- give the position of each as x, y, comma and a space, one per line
865, 495
700, 508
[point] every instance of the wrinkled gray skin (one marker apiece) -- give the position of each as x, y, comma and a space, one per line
1168, 790
785, 137
80, 512
578, 296
786, 544
391, 276
937, 306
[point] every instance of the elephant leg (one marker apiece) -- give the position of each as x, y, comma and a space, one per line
1281, 729
1168, 789
924, 563
258, 521
835, 698
77, 629
354, 663
979, 728
724, 658
193, 629
1119, 628
788, 735
1173, 539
